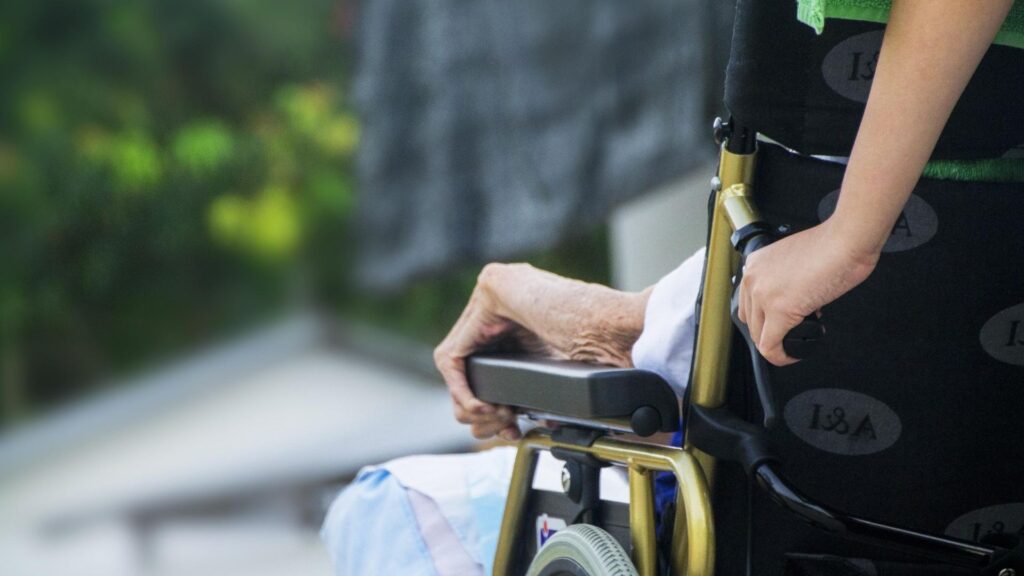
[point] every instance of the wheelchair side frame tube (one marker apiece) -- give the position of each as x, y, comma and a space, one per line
711, 355
693, 556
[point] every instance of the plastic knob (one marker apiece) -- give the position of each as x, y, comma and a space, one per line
645, 421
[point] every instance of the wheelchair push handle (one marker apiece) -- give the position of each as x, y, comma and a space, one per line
802, 340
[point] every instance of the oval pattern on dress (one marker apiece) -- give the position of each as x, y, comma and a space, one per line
1002, 337
917, 224
842, 421
849, 67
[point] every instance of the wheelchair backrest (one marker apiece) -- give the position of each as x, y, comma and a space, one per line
808, 91
909, 413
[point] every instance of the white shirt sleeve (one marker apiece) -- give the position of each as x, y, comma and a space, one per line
666, 344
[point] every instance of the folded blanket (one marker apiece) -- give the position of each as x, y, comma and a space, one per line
815, 12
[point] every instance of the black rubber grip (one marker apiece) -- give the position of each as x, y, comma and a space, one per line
803, 339
799, 343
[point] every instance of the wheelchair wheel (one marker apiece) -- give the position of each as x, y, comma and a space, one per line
582, 550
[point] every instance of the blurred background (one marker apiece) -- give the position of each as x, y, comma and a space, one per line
231, 232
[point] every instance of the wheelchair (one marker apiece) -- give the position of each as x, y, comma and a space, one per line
893, 448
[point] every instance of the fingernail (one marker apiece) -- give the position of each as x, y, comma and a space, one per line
485, 409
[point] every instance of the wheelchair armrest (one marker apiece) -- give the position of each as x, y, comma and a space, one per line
576, 392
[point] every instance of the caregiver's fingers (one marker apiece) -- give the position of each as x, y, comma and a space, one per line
744, 301
756, 325
770, 342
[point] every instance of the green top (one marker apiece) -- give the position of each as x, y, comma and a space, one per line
815, 12
987, 170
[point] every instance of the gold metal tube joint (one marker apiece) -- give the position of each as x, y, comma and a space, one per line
693, 557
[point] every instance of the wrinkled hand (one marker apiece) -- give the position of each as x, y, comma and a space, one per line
786, 281
543, 314
480, 324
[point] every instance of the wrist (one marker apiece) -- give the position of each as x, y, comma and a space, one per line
492, 284
634, 309
857, 240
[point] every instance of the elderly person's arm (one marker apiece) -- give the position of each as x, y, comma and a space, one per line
544, 313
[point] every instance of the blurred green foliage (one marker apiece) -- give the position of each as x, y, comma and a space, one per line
174, 171
163, 165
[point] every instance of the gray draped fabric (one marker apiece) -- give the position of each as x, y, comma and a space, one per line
494, 127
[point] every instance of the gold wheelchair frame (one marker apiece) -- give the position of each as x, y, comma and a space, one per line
693, 537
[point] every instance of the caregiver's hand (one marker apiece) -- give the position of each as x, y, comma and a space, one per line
787, 281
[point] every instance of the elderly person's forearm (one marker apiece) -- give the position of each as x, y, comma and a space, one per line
575, 320
556, 316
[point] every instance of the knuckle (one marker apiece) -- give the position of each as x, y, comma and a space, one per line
442, 359
757, 292
489, 273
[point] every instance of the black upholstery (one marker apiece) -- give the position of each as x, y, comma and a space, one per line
808, 91
910, 412
640, 399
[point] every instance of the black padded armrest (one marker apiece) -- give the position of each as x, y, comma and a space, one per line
642, 400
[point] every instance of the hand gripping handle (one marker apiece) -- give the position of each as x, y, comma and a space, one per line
803, 339
800, 342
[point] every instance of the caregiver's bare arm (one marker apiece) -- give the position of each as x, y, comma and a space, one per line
551, 315
930, 50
